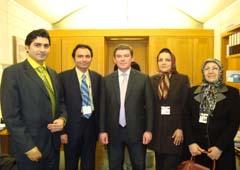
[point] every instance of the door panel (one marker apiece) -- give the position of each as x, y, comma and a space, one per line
140, 51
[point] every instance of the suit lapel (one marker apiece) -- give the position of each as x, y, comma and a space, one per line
174, 80
93, 84
115, 85
130, 83
34, 76
74, 85
53, 81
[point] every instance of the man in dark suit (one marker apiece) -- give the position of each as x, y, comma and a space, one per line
31, 107
126, 112
81, 130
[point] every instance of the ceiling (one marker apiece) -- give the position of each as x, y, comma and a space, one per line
55, 11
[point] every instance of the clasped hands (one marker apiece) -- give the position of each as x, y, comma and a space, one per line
213, 152
34, 154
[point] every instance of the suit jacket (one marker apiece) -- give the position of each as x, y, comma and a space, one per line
221, 128
73, 99
165, 125
138, 106
26, 108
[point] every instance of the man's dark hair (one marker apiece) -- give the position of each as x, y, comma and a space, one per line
123, 47
82, 46
37, 33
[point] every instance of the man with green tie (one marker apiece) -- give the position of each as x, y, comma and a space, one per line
31, 107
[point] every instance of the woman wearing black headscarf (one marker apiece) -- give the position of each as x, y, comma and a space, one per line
212, 119
170, 89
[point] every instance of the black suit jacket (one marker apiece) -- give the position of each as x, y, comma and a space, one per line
221, 127
223, 124
138, 106
26, 108
165, 125
73, 99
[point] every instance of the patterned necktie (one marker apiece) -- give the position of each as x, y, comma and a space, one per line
163, 86
85, 95
43, 75
123, 88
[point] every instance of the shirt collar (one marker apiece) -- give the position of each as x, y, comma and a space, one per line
34, 64
126, 72
80, 73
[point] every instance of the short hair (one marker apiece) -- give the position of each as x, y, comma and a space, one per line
82, 46
37, 33
123, 47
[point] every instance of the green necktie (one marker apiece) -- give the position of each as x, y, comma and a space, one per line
43, 74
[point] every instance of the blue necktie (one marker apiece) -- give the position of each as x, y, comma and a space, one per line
85, 95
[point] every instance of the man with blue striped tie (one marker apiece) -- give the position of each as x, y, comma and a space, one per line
81, 88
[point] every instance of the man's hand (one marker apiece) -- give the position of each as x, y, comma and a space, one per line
34, 154
147, 137
177, 137
214, 153
64, 138
103, 138
56, 126
195, 149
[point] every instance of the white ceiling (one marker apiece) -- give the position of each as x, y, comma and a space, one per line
57, 10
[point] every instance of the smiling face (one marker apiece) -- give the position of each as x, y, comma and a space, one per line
211, 72
39, 49
164, 62
82, 59
123, 59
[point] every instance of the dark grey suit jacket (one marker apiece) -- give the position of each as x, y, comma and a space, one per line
26, 108
138, 106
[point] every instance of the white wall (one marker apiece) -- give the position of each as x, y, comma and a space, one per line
223, 21
15, 21
119, 15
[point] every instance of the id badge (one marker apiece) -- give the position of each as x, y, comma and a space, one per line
86, 109
165, 110
203, 118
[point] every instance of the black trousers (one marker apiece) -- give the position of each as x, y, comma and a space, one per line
50, 162
137, 152
167, 161
81, 146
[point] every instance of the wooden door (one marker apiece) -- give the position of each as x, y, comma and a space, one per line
140, 53
54, 59
97, 45
202, 49
181, 48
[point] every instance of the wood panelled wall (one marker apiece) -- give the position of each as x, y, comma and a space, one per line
190, 47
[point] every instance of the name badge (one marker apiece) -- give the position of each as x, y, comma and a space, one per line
203, 118
165, 110
86, 109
